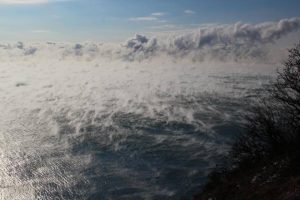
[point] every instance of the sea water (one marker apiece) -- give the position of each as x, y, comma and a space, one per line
82, 128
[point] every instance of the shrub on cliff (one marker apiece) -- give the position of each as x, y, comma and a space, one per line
273, 126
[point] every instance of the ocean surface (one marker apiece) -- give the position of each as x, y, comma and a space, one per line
80, 128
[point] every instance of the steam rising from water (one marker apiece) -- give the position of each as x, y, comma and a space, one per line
80, 122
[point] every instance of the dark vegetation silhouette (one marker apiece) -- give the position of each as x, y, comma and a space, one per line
265, 161
274, 124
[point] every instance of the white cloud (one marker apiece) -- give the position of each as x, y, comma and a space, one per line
234, 42
210, 42
165, 26
23, 1
162, 21
189, 12
158, 14
138, 19
28, 1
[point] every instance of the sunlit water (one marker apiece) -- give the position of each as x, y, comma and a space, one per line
77, 129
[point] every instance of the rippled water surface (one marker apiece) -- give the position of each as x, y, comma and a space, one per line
77, 129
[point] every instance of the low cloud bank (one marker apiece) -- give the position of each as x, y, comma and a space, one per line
233, 42
221, 42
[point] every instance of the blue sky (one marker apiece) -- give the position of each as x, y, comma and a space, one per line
79, 20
